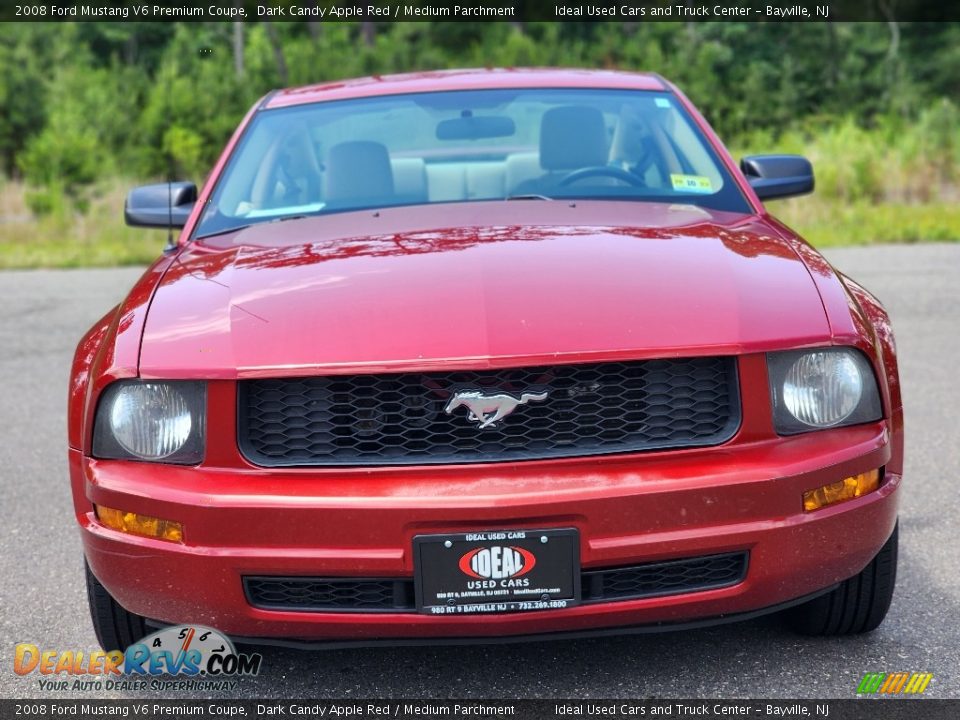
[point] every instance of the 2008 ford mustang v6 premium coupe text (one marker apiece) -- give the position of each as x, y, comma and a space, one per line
484, 354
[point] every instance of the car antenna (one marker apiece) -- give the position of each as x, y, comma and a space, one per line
171, 245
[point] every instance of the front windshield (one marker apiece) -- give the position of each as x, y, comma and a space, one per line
466, 146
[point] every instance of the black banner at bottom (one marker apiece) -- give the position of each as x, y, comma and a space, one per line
853, 709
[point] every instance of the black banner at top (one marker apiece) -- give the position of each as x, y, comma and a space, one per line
605, 709
483, 11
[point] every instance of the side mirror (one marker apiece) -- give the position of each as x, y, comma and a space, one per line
778, 176
161, 205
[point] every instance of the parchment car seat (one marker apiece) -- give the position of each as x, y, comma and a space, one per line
571, 137
358, 173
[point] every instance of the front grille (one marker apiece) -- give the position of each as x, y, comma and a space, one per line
395, 419
673, 577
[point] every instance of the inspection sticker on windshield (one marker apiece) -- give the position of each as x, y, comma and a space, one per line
691, 183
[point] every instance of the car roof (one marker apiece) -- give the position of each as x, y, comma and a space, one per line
470, 79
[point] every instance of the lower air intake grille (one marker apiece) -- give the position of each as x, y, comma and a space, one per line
673, 577
329, 594
663, 578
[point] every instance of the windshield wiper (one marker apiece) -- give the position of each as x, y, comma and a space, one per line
528, 196
234, 228
238, 228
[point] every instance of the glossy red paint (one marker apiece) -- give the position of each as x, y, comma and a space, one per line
109, 351
496, 282
661, 506
478, 285
467, 79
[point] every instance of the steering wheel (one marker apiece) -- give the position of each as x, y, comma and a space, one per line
602, 171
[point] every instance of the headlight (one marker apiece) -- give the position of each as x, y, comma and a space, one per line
157, 421
816, 389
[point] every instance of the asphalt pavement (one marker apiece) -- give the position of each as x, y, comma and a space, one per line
42, 597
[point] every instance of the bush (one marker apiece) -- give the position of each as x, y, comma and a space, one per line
46, 201
185, 147
63, 155
89, 123
85, 103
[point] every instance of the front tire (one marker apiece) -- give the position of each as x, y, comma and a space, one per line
859, 605
116, 628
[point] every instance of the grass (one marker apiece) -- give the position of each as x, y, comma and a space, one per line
99, 237
896, 182
889, 184
827, 223
65, 238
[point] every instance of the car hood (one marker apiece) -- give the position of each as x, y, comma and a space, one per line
478, 284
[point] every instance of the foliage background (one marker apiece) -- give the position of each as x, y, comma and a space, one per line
89, 109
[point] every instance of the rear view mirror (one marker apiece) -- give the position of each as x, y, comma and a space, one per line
778, 176
476, 128
161, 205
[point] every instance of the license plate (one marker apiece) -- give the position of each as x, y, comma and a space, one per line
497, 571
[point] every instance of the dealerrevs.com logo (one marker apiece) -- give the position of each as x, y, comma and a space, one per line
199, 658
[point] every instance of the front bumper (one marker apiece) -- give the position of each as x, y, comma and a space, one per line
629, 510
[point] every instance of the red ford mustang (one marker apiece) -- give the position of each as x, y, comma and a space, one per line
484, 354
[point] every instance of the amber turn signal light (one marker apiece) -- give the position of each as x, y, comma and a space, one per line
136, 524
846, 489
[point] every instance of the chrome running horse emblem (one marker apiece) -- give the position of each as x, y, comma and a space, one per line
487, 409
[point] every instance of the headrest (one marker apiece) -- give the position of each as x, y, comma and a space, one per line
572, 137
358, 170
